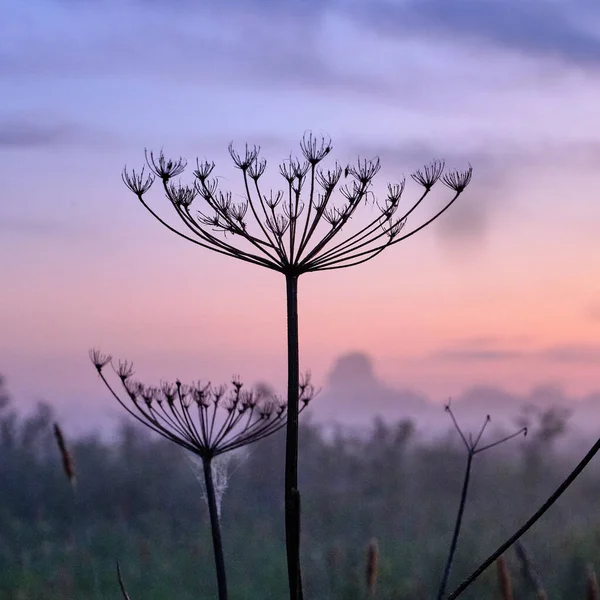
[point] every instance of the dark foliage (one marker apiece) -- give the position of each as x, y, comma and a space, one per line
137, 501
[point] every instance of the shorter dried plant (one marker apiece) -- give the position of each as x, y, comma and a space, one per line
473, 447
504, 582
529, 572
206, 420
66, 456
591, 589
122, 583
372, 567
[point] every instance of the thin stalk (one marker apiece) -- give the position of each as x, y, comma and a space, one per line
529, 523
215, 528
292, 513
457, 526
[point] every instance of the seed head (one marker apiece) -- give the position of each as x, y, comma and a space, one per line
371, 572
365, 170
203, 170
99, 359
67, 457
298, 229
136, 182
206, 420
458, 180
243, 162
163, 168
429, 174
315, 150
124, 370
257, 168
181, 195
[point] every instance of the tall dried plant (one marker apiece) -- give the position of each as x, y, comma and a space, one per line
293, 231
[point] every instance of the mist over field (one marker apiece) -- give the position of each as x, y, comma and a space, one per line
138, 499
491, 309
353, 394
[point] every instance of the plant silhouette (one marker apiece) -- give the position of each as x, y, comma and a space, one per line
293, 231
204, 420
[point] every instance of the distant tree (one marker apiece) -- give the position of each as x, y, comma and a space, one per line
546, 427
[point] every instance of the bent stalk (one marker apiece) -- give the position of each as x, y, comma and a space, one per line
529, 523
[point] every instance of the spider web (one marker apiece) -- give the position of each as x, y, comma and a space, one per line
220, 471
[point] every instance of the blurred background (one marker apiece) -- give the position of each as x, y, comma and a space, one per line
496, 305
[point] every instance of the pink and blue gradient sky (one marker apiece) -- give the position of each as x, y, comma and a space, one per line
504, 289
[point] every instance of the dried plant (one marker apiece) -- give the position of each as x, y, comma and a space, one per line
294, 230
372, 571
592, 591
205, 420
537, 515
67, 458
504, 582
473, 448
333, 564
122, 583
529, 571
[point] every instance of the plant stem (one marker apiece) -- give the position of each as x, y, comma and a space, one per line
457, 526
529, 523
215, 529
292, 504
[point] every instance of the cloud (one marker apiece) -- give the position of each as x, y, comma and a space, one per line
574, 353
22, 133
28, 226
471, 217
32, 131
474, 355
555, 30
478, 355
497, 163
254, 44
593, 312
489, 349
477, 349
236, 43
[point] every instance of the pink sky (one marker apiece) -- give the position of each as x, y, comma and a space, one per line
504, 289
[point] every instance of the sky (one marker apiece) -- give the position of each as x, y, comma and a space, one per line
503, 290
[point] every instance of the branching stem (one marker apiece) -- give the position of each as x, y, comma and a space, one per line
529, 523
457, 526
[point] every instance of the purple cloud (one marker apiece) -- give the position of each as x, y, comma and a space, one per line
551, 30
489, 349
33, 131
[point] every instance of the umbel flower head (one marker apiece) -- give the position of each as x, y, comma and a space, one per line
296, 229
203, 419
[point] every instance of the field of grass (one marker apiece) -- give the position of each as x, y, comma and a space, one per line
138, 501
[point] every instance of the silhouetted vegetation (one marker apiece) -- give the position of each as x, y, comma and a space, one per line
138, 501
301, 229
